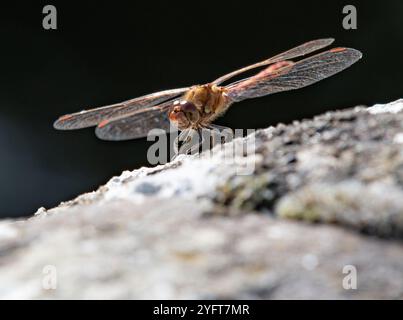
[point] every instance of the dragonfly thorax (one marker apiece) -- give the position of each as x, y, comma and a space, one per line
199, 106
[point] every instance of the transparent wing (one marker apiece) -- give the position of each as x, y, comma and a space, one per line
90, 118
301, 50
294, 75
135, 125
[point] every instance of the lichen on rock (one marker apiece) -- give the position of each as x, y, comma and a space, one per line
197, 228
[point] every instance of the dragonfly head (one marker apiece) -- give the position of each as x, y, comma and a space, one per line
184, 113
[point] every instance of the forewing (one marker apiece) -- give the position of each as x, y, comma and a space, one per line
299, 51
92, 117
135, 125
300, 74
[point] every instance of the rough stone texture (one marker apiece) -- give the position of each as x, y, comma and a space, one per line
323, 194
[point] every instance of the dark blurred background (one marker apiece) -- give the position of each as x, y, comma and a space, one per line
106, 52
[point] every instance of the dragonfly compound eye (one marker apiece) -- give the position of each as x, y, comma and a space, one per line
190, 110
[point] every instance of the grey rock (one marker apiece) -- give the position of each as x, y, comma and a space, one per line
209, 227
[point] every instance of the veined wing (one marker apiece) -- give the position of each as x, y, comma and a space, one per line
299, 51
92, 117
135, 125
294, 75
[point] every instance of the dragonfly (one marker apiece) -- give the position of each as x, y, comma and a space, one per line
194, 108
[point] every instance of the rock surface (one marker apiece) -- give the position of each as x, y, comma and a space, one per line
324, 196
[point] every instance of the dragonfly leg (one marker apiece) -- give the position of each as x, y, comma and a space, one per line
180, 138
193, 141
187, 142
